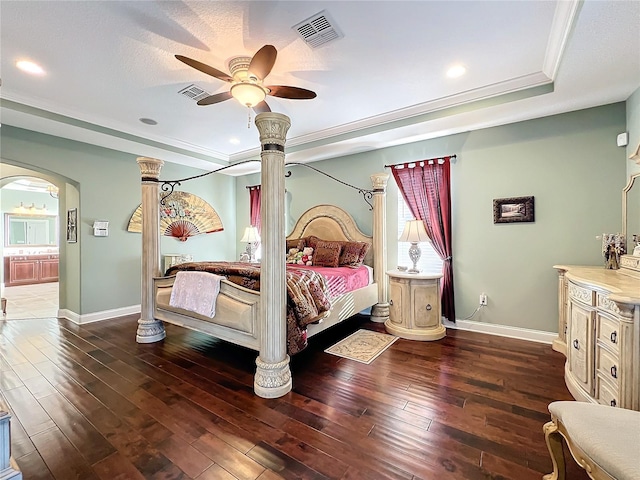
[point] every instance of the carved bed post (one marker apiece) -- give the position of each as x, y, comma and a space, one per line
380, 311
273, 376
149, 329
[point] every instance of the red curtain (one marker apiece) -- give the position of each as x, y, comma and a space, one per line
426, 187
255, 196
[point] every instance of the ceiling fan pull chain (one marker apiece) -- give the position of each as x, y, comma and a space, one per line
249, 122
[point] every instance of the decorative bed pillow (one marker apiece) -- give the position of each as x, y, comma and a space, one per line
295, 243
327, 254
366, 246
353, 253
312, 241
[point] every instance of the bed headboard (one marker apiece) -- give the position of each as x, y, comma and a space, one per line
331, 223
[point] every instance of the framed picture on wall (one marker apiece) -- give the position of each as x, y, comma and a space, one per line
512, 210
72, 225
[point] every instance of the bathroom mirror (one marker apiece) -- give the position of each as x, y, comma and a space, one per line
631, 210
30, 230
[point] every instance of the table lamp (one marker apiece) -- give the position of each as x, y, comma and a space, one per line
414, 232
251, 237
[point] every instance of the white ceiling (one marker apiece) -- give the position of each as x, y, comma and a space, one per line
110, 63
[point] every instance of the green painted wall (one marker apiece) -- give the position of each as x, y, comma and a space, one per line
571, 165
105, 185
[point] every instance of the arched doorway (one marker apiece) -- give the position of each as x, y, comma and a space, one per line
31, 236
30, 247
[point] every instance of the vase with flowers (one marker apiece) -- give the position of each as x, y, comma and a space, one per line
612, 248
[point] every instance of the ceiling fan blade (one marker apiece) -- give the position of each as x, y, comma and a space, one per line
217, 98
204, 68
262, 62
261, 107
295, 93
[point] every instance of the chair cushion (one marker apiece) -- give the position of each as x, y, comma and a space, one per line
609, 435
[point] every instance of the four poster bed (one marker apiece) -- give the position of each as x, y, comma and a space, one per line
261, 319
236, 319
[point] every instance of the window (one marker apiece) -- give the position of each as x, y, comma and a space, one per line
429, 260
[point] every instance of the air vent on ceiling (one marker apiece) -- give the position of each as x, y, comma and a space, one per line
194, 92
318, 30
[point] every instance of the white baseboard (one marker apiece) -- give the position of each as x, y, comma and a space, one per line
98, 316
502, 331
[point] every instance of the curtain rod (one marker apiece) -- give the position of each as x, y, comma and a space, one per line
418, 161
252, 186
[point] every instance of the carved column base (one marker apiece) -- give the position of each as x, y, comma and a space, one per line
272, 380
380, 312
150, 331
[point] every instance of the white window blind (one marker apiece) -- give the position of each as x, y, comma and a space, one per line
429, 260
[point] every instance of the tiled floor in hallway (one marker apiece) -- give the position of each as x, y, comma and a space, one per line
32, 301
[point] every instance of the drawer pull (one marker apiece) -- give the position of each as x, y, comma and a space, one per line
614, 337
614, 371
390, 302
576, 345
428, 307
614, 403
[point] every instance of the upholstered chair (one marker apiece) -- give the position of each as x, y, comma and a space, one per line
604, 440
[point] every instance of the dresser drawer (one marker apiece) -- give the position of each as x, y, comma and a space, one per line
607, 365
603, 303
581, 294
608, 331
605, 393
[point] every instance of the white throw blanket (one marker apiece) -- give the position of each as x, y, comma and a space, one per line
196, 291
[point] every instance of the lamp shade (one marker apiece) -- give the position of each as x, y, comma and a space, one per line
250, 235
414, 232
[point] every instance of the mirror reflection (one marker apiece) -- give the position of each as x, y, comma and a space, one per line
632, 211
30, 230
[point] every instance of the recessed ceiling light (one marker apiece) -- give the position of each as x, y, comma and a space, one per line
148, 121
234, 141
456, 71
30, 67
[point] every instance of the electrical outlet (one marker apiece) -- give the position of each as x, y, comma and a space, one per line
483, 299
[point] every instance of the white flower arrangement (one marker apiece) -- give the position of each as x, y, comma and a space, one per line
612, 248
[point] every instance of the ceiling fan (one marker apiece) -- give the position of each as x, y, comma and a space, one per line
247, 77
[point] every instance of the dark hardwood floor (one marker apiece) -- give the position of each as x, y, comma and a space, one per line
88, 402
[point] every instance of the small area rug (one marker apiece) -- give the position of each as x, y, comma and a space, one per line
362, 346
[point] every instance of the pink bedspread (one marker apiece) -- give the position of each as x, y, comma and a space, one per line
340, 280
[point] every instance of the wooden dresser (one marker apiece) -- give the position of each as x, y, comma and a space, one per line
599, 333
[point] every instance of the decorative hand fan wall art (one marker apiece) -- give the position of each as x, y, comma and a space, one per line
247, 77
183, 215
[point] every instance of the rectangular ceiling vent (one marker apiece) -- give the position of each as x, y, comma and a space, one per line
194, 92
318, 30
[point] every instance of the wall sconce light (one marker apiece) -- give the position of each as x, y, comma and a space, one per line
414, 232
251, 237
30, 210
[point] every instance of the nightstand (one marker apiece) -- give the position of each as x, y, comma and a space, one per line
414, 306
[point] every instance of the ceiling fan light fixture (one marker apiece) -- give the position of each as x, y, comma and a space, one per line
248, 94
